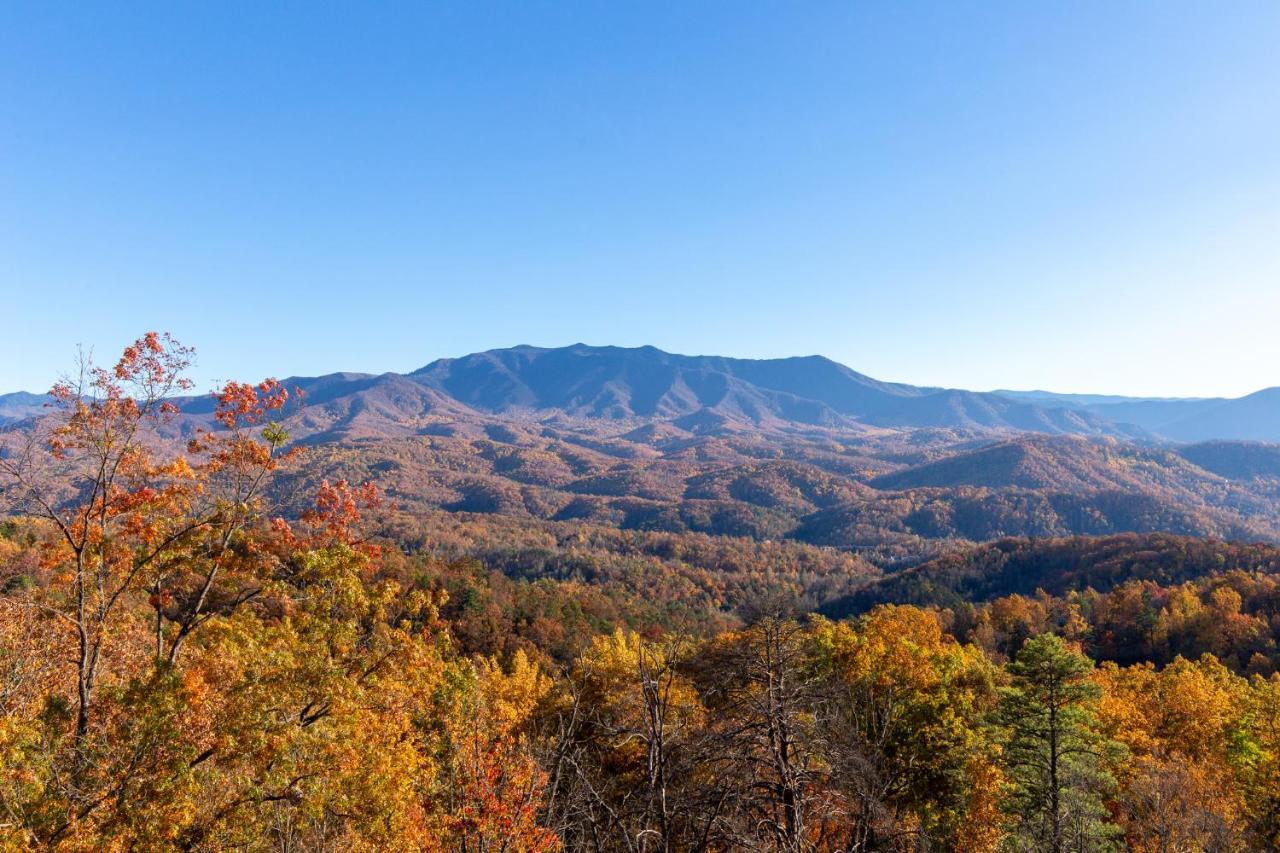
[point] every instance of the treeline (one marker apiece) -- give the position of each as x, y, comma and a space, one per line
1022, 566
1235, 617
1126, 598
886, 734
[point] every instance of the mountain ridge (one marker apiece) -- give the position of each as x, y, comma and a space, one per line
619, 382
707, 393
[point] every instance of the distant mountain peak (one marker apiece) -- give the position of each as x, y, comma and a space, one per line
716, 392
807, 391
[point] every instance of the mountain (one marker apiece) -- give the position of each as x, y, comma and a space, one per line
798, 449
1255, 417
648, 387
619, 383
362, 406
20, 405
1087, 401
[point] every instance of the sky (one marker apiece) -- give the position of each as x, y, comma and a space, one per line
1075, 196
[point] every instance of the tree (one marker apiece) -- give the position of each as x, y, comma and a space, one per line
1259, 752
1054, 756
129, 525
905, 707
763, 695
631, 748
1173, 805
491, 783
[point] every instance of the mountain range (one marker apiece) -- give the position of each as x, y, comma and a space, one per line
712, 394
802, 450
1254, 417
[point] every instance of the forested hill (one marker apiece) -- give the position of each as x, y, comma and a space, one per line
1129, 599
1058, 566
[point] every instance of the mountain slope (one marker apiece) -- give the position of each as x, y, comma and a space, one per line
616, 382
1255, 417
1060, 463
20, 405
1022, 566
1235, 460
717, 395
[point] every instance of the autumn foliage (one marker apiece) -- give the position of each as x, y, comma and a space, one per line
187, 661
186, 669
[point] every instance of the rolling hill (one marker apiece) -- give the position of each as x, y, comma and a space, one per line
1056, 566
1064, 463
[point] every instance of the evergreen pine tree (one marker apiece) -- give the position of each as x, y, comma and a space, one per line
1054, 756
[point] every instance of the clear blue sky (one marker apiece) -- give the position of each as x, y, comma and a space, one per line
1080, 196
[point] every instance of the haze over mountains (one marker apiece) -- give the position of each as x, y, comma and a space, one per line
702, 394
1254, 417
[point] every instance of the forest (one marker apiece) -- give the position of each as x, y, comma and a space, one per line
190, 659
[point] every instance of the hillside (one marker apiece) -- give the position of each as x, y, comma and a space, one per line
893, 498
1066, 464
1057, 566
1235, 460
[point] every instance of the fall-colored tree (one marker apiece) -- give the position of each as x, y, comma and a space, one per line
905, 713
